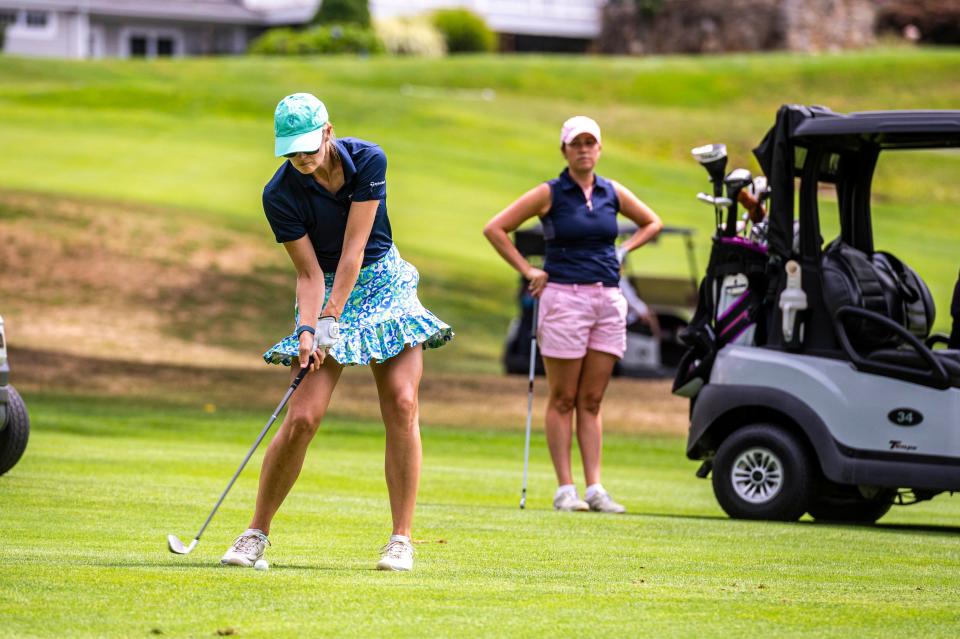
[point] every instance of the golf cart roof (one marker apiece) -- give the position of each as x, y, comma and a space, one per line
886, 129
818, 145
623, 228
529, 240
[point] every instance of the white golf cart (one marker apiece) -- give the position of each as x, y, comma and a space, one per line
814, 382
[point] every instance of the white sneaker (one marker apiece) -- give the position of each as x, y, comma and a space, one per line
396, 555
246, 549
567, 501
602, 502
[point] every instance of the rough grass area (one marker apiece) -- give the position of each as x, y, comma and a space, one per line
175, 153
86, 512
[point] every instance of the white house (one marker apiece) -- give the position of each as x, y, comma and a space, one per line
532, 22
127, 28
154, 28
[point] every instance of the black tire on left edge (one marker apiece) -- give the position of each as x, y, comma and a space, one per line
13, 438
774, 474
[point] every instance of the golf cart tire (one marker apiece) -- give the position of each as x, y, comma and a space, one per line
855, 509
13, 438
796, 476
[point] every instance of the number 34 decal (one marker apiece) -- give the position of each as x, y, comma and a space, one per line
905, 416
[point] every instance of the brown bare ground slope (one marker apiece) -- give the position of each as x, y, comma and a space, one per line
108, 299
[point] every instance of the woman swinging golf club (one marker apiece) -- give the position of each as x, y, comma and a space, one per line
356, 303
582, 317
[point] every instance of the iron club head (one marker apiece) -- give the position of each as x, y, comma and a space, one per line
176, 546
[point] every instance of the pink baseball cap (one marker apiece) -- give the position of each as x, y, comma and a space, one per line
576, 125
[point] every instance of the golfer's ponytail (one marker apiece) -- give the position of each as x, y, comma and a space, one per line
332, 144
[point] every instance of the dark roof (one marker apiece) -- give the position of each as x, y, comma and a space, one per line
888, 129
529, 239
205, 11
623, 228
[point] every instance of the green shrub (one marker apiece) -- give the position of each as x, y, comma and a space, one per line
464, 31
343, 12
411, 36
317, 40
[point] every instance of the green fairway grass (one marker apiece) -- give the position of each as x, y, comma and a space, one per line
195, 136
86, 513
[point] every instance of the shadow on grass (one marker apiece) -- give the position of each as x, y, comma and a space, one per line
217, 566
934, 529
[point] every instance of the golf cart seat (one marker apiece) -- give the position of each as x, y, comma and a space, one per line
910, 359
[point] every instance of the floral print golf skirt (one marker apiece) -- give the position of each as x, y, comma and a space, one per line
381, 317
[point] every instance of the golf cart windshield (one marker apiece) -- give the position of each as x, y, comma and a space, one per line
820, 145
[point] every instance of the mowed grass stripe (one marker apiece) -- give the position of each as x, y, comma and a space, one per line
86, 513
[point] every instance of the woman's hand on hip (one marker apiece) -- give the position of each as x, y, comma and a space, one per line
538, 280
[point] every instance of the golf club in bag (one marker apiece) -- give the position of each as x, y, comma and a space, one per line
533, 366
173, 542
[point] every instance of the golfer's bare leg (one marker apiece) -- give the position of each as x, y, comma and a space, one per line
594, 377
563, 376
398, 385
284, 457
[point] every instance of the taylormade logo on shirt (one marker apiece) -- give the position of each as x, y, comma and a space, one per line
378, 183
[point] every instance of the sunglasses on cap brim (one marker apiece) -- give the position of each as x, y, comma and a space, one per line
296, 153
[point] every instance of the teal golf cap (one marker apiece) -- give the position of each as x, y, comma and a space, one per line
298, 124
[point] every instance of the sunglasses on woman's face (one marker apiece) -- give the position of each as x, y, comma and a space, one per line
296, 153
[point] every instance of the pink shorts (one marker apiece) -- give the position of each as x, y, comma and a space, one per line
576, 317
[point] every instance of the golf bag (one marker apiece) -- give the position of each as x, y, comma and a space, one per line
730, 309
880, 283
516, 355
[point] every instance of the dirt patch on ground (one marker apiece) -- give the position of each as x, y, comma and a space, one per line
108, 299
117, 281
471, 401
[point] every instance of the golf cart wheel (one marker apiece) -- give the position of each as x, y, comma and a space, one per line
762, 471
851, 508
13, 438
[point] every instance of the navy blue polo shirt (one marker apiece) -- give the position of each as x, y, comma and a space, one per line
296, 205
580, 235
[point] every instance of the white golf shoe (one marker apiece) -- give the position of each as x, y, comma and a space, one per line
246, 549
566, 501
602, 502
396, 555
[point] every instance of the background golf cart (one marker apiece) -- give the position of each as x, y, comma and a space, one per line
812, 374
14, 422
672, 298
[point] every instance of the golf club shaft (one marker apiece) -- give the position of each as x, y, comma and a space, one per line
263, 433
533, 366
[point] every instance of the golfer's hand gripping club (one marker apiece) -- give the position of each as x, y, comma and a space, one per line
328, 333
315, 343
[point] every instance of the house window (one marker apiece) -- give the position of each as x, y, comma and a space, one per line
165, 47
37, 19
7, 17
138, 46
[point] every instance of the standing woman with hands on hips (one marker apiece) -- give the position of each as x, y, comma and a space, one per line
581, 327
356, 304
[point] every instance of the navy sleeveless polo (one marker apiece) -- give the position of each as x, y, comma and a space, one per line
580, 235
296, 205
